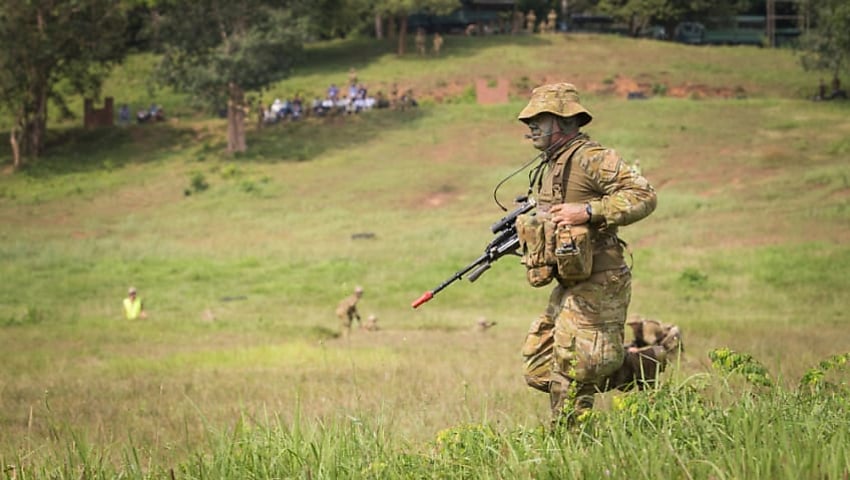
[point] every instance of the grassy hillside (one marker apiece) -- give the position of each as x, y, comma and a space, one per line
238, 371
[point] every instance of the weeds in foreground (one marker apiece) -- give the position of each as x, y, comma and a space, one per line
673, 431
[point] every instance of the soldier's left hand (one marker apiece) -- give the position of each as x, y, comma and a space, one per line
566, 214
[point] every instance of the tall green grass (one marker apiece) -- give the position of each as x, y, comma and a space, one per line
677, 431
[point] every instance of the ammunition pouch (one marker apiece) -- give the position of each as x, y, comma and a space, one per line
548, 252
574, 253
534, 232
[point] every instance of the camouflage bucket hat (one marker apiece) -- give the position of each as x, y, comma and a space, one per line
560, 99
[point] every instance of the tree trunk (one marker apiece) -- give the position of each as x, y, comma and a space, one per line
402, 34
235, 119
34, 121
391, 27
14, 141
379, 26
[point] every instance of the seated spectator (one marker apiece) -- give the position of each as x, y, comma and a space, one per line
351, 105
359, 104
837, 92
269, 116
286, 109
276, 106
407, 100
124, 114
352, 91
316, 107
156, 113
333, 92
381, 101
142, 116
296, 108
342, 104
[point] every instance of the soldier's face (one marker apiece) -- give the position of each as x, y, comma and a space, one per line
542, 127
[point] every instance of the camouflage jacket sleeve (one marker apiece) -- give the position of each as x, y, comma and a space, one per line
626, 196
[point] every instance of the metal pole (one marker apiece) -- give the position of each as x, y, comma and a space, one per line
771, 23
564, 11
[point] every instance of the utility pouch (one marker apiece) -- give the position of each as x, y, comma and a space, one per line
574, 253
537, 245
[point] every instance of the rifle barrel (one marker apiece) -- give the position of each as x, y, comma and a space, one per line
506, 242
457, 276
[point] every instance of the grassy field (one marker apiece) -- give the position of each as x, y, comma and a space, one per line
239, 372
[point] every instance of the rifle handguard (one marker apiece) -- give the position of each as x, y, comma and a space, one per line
478, 272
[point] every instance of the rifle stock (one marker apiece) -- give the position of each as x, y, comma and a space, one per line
506, 242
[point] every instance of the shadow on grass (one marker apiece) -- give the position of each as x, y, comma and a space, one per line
331, 57
77, 150
309, 138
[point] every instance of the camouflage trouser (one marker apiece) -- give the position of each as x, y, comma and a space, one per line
345, 322
572, 349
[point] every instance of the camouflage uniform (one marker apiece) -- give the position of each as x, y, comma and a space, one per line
347, 311
371, 324
551, 20
420, 41
530, 21
577, 343
437, 43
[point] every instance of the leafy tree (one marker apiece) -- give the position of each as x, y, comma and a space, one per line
398, 10
46, 43
216, 50
337, 18
639, 14
826, 46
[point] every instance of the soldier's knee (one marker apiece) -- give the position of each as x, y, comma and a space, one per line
538, 383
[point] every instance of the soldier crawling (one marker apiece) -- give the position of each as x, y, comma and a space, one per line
585, 192
347, 311
654, 345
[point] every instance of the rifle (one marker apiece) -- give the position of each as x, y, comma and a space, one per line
506, 242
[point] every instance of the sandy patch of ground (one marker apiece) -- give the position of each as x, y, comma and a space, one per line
501, 89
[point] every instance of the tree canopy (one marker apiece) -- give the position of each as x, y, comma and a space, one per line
46, 42
638, 14
400, 9
215, 50
826, 46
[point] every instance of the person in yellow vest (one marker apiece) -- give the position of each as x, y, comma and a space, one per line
133, 307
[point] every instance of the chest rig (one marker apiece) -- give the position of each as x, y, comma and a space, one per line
550, 252
550, 186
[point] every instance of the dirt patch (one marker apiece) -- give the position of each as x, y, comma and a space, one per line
443, 195
488, 92
643, 86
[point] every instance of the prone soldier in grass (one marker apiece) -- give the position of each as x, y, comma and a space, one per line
584, 193
654, 345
